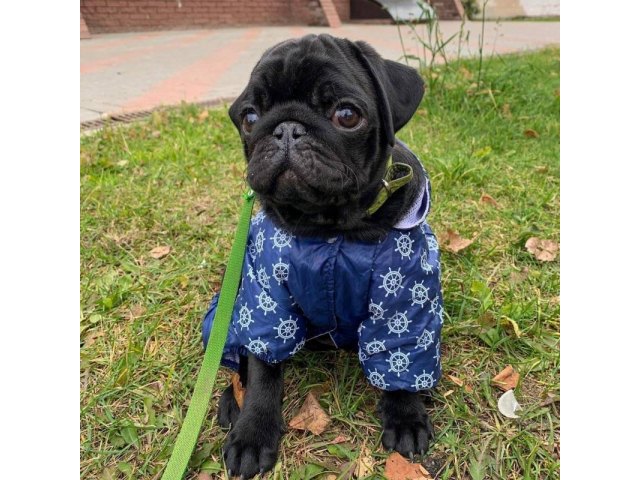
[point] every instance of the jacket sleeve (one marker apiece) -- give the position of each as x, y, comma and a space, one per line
399, 344
265, 321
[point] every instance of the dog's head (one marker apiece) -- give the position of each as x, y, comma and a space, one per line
318, 122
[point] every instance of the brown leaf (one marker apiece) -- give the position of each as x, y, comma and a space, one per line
397, 468
422, 112
455, 380
510, 326
135, 312
486, 198
467, 388
454, 242
466, 73
160, 252
203, 116
557, 92
506, 111
543, 250
365, 464
542, 169
311, 417
486, 321
516, 277
507, 379
531, 133
91, 337
447, 393
551, 398
204, 476
339, 439
347, 469
238, 389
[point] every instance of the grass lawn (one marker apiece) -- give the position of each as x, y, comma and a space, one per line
176, 180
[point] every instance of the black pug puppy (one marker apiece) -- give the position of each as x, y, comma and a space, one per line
341, 255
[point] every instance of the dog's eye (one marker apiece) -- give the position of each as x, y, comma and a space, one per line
346, 117
249, 119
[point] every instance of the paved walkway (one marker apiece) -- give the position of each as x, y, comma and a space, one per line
136, 71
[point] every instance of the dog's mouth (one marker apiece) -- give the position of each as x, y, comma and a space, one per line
305, 177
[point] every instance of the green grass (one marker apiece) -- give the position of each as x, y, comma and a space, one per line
177, 180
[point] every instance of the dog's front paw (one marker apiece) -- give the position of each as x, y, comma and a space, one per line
406, 426
252, 446
228, 409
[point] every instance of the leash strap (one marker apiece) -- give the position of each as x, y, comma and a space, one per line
201, 397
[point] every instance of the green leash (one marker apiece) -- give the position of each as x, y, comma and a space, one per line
201, 397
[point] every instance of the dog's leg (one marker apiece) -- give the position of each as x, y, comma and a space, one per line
406, 426
252, 444
228, 409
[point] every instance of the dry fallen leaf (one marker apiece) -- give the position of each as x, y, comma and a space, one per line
531, 133
347, 469
160, 252
543, 250
506, 111
447, 393
467, 388
454, 242
204, 476
203, 116
507, 379
466, 73
542, 169
398, 468
511, 326
365, 464
91, 337
486, 198
455, 380
238, 389
339, 439
135, 312
516, 277
311, 417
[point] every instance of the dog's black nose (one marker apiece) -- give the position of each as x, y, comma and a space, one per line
289, 131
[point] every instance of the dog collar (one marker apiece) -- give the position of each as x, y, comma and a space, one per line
390, 184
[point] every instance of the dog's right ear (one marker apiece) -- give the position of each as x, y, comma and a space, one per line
235, 111
399, 87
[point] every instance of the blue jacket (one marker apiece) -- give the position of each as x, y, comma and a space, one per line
384, 297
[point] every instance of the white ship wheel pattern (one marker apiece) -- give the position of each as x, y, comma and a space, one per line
392, 282
281, 271
403, 245
245, 318
398, 323
399, 362
281, 239
287, 329
266, 303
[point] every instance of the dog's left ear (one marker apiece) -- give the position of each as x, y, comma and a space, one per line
399, 88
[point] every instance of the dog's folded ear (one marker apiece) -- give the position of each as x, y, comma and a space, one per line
399, 88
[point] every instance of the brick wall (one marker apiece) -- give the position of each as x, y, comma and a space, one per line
343, 7
449, 9
140, 15
84, 30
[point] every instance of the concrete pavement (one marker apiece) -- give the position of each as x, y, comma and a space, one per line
122, 73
